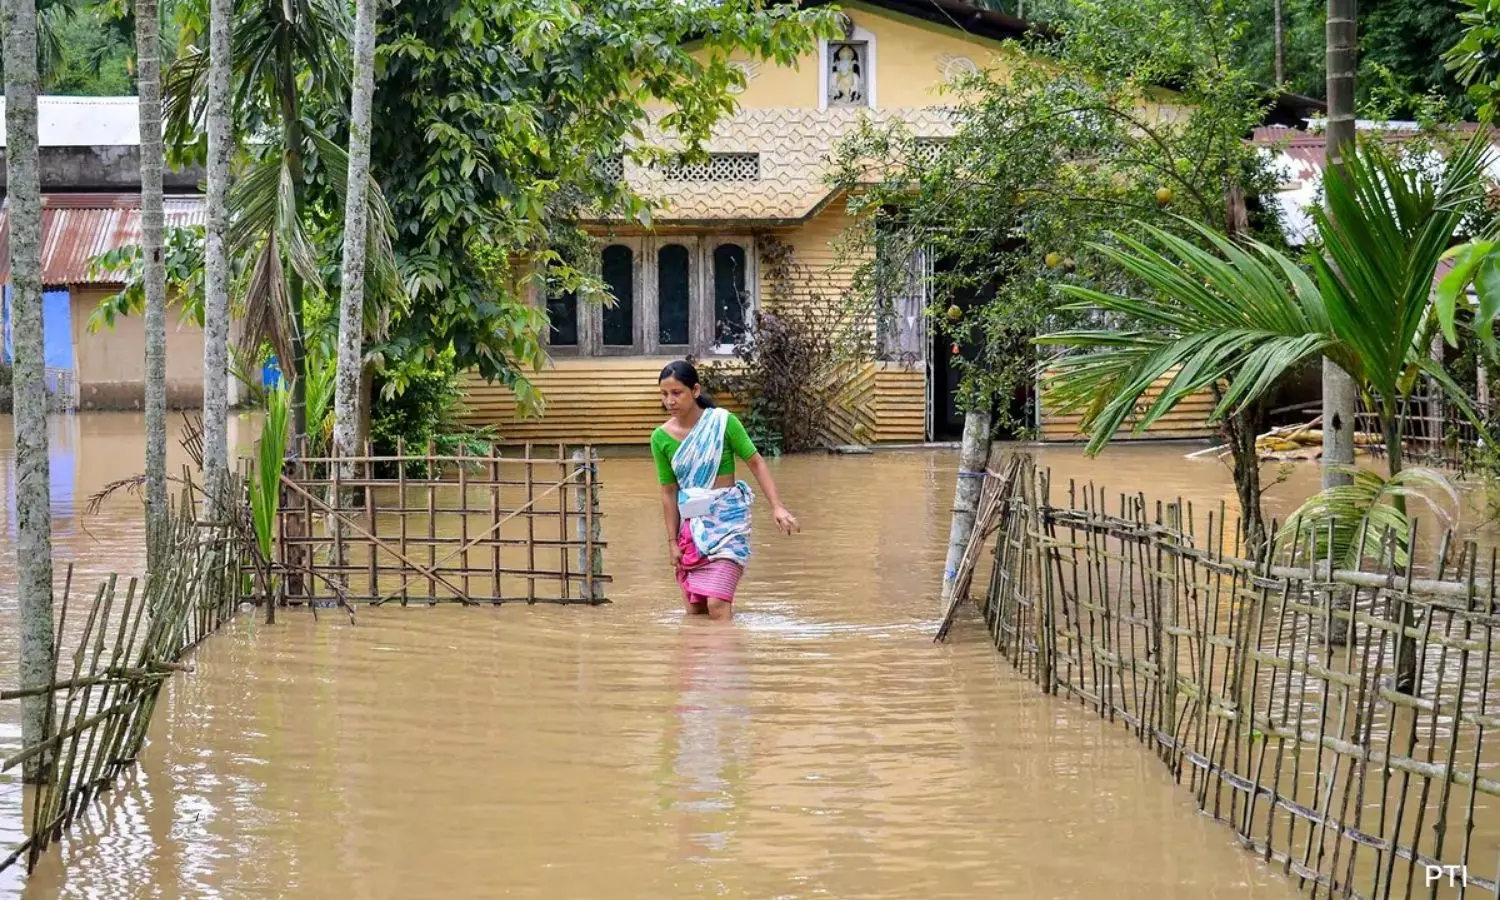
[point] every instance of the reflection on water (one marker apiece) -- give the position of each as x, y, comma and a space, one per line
818, 745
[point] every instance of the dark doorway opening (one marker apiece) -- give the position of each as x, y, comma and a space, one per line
946, 373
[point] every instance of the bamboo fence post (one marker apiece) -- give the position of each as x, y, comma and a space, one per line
374, 557
562, 525
463, 515
495, 586
402, 508
431, 520
336, 525
530, 523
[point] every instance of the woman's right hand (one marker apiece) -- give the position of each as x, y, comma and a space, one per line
674, 552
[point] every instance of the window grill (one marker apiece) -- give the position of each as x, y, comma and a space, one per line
928, 150
718, 167
612, 168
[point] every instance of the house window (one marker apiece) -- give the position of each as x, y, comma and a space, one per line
673, 295
730, 294
562, 314
847, 73
617, 265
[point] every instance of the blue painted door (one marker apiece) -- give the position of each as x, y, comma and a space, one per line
57, 328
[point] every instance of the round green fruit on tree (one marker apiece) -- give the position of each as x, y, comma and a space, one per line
1163, 196
1054, 259
954, 313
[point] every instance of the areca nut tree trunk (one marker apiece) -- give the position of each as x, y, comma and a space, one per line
356, 211
148, 50
216, 265
347, 382
973, 456
1339, 392
33, 477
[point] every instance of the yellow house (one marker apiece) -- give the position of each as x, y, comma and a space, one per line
690, 284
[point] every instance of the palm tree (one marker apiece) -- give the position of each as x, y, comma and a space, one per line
275, 44
352, 293
1242, 315
282, 52
1339, 391
153, 160
33, 501
216, 264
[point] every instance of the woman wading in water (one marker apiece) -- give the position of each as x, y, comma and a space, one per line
706, 510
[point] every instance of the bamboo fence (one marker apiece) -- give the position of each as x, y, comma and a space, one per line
1273, 687
430, 528
133, 638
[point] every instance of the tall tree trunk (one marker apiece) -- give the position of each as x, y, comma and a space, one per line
1339, 393
29, 393
216, 264
147, 48
973, 456
291, 129
352, 294
346, 395
1279, 33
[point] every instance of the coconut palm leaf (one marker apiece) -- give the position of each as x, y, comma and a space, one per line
1347, 522
1236, 318
381, 273
280, 48
1384, 232
1239, 316
267, 311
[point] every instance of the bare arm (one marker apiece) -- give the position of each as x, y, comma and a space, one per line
762, 472
670, 513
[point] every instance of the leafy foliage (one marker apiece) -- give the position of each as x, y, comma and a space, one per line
265, 478
1245, 314
782, 373
184, 268
1350, 523
1051, 152
425, 409
517, 107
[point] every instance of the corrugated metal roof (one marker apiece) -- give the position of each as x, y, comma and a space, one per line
78, 227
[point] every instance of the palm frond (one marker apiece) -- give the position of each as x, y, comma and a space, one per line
1232, 318
267, 311
386, 289
1384, 232
1344, 523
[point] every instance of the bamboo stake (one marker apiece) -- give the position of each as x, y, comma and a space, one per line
372, 523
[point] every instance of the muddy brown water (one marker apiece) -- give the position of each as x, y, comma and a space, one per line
819, 746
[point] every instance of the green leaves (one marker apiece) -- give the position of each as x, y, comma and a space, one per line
1240, 316
265, 478
1349, 522
1237, 319
515, 104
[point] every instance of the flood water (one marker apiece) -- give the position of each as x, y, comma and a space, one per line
820, 745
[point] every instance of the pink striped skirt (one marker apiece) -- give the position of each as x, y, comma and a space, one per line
702, 579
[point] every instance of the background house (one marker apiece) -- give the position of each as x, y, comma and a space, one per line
91, 204
691, 282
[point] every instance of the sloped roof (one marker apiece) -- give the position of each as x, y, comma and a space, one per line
78, 227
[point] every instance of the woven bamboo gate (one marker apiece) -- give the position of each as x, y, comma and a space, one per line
1312, 750
105, 690
430, 528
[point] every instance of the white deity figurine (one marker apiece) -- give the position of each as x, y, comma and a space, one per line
846, 81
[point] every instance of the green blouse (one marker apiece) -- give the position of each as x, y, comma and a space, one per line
736, 444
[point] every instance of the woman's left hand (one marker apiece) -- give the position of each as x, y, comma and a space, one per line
786, 523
